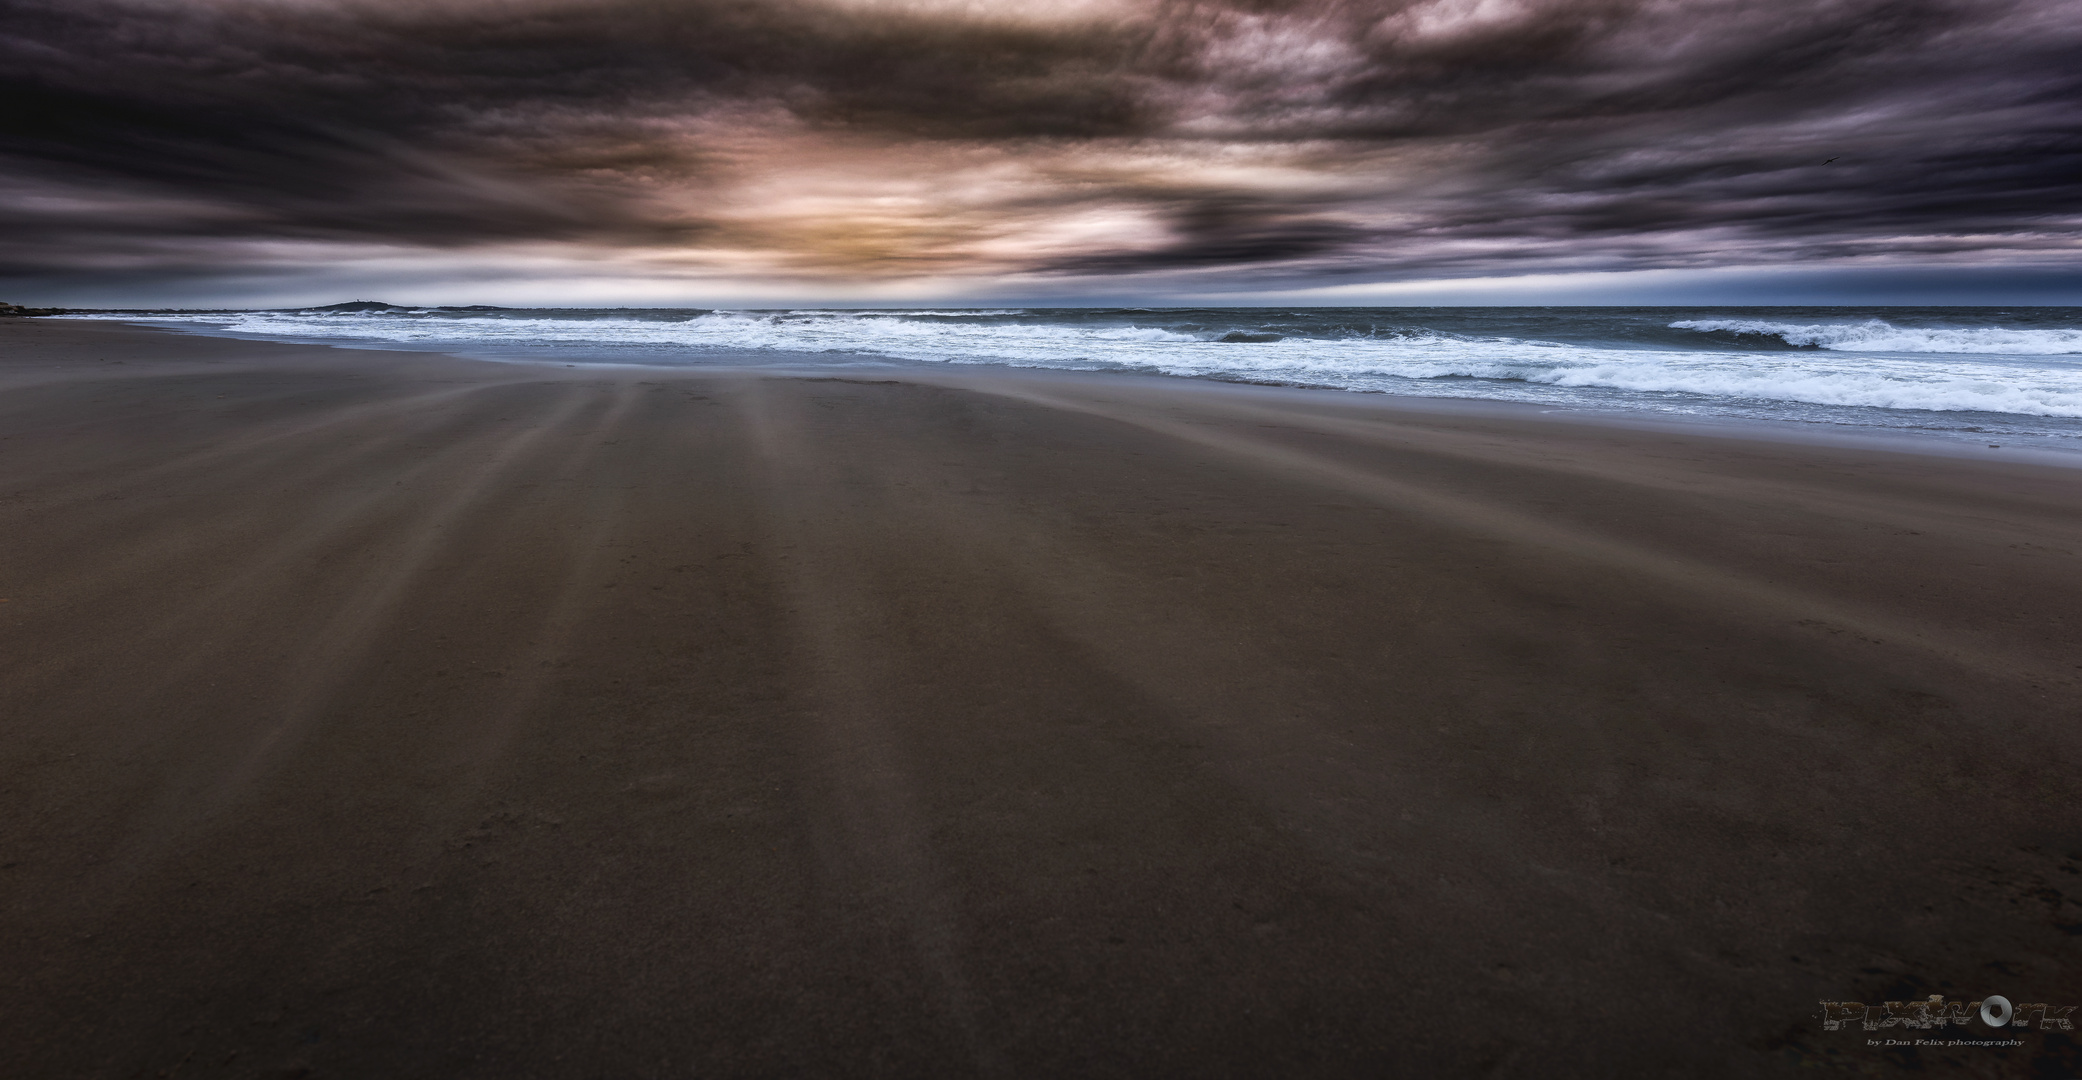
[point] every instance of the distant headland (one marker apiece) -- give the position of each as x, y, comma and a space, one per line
349, 307
378, 305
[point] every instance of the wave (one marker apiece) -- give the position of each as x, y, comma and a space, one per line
1875, 335
1344, 351
1961, 391
1870, 383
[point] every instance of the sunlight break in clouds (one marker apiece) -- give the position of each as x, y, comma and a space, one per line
1068, 148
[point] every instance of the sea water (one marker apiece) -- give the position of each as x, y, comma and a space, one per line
1981, 373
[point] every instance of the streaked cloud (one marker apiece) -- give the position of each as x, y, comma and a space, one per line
1046, 147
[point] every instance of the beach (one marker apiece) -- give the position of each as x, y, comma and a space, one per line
381, 713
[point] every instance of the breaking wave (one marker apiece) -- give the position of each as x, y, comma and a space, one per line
1856, 370
1875, 335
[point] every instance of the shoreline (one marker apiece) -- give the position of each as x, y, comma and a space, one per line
383, 713
2019, 447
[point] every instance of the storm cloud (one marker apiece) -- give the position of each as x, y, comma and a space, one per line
1172, 144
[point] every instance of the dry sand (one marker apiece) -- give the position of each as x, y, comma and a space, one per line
384, 714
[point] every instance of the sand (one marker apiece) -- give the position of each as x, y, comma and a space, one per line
390, 714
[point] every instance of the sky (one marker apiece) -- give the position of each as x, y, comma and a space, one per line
745, 152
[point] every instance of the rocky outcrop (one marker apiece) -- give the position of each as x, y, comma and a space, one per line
15, 311
356, 305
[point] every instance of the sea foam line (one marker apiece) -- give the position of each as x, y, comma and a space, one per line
1417, 362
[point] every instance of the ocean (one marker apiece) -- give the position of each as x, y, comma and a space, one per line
1987, 374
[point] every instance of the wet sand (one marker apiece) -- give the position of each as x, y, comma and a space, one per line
384, 714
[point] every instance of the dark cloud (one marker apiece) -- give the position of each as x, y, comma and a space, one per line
1214, 230
1274, 141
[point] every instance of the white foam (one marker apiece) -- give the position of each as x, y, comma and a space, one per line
1876, 335
1404, 361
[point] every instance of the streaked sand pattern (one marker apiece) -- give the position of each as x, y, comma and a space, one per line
387, 714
